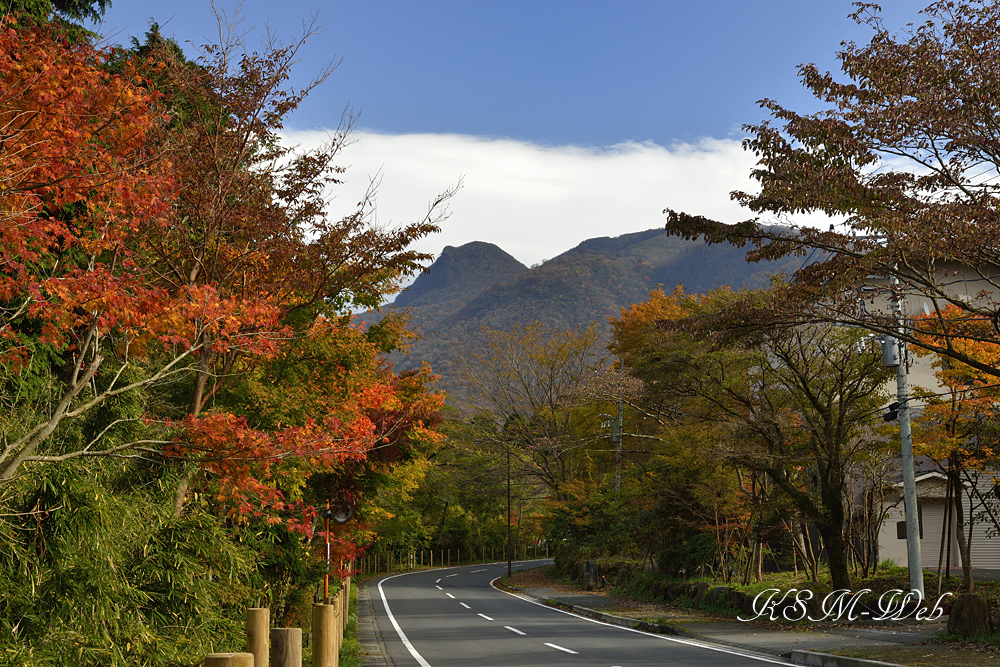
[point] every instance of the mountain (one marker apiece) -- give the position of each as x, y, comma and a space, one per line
478, 284
459, 275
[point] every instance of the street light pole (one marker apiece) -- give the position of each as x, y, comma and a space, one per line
509, 555
906, 443
616, 437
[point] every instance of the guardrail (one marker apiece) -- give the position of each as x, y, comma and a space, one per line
388, 562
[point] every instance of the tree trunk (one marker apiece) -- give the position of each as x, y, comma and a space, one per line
201, 376
444, 517
812, 559
963, 543
197, 397
840, 576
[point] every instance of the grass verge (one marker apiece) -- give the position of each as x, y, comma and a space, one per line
350, 650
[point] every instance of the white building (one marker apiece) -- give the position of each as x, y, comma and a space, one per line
931, 490
971, 286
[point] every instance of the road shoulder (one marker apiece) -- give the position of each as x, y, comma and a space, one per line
908, 646
373, 653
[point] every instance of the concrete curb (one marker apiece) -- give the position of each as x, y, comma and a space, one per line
645, 626
829, 660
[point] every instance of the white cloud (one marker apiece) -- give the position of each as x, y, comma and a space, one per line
536, 201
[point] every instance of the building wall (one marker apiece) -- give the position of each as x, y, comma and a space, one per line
984, 551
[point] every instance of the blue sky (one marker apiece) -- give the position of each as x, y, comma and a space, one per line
543, 107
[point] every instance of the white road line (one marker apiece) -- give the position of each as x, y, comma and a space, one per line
474, 571
515, 630
438, 581
439, 588
450, 575
555, 646
465, 605
486, 617
402, 636
450, 595
666, 638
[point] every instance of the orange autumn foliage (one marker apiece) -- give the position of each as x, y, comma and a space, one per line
77, 178
949, 422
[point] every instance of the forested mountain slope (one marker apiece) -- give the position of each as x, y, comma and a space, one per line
478, 284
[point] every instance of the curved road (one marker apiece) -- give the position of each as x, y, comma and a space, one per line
453, 616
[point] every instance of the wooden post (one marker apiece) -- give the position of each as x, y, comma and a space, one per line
342, 620
258, 630
347, 601
338, 629
340, 616
228, 660
286, 647
324, 633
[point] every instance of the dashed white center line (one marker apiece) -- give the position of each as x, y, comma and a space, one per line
438, 581
515, 630
486, 617
450, 595
560, 648
449, 575
439, 588
474, 571
465, 605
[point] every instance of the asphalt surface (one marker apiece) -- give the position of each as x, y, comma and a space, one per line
453, 616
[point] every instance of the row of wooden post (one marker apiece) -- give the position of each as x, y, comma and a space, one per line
375, 563
285, 646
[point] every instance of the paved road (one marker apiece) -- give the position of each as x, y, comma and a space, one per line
445, 617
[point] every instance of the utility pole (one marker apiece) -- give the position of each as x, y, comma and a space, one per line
906, 441
616, 437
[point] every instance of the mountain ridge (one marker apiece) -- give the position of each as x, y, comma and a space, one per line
479, 284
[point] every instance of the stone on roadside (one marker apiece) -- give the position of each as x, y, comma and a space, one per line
718, 595
589, 576
970, 615
741, 601
700, 589
656, 590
